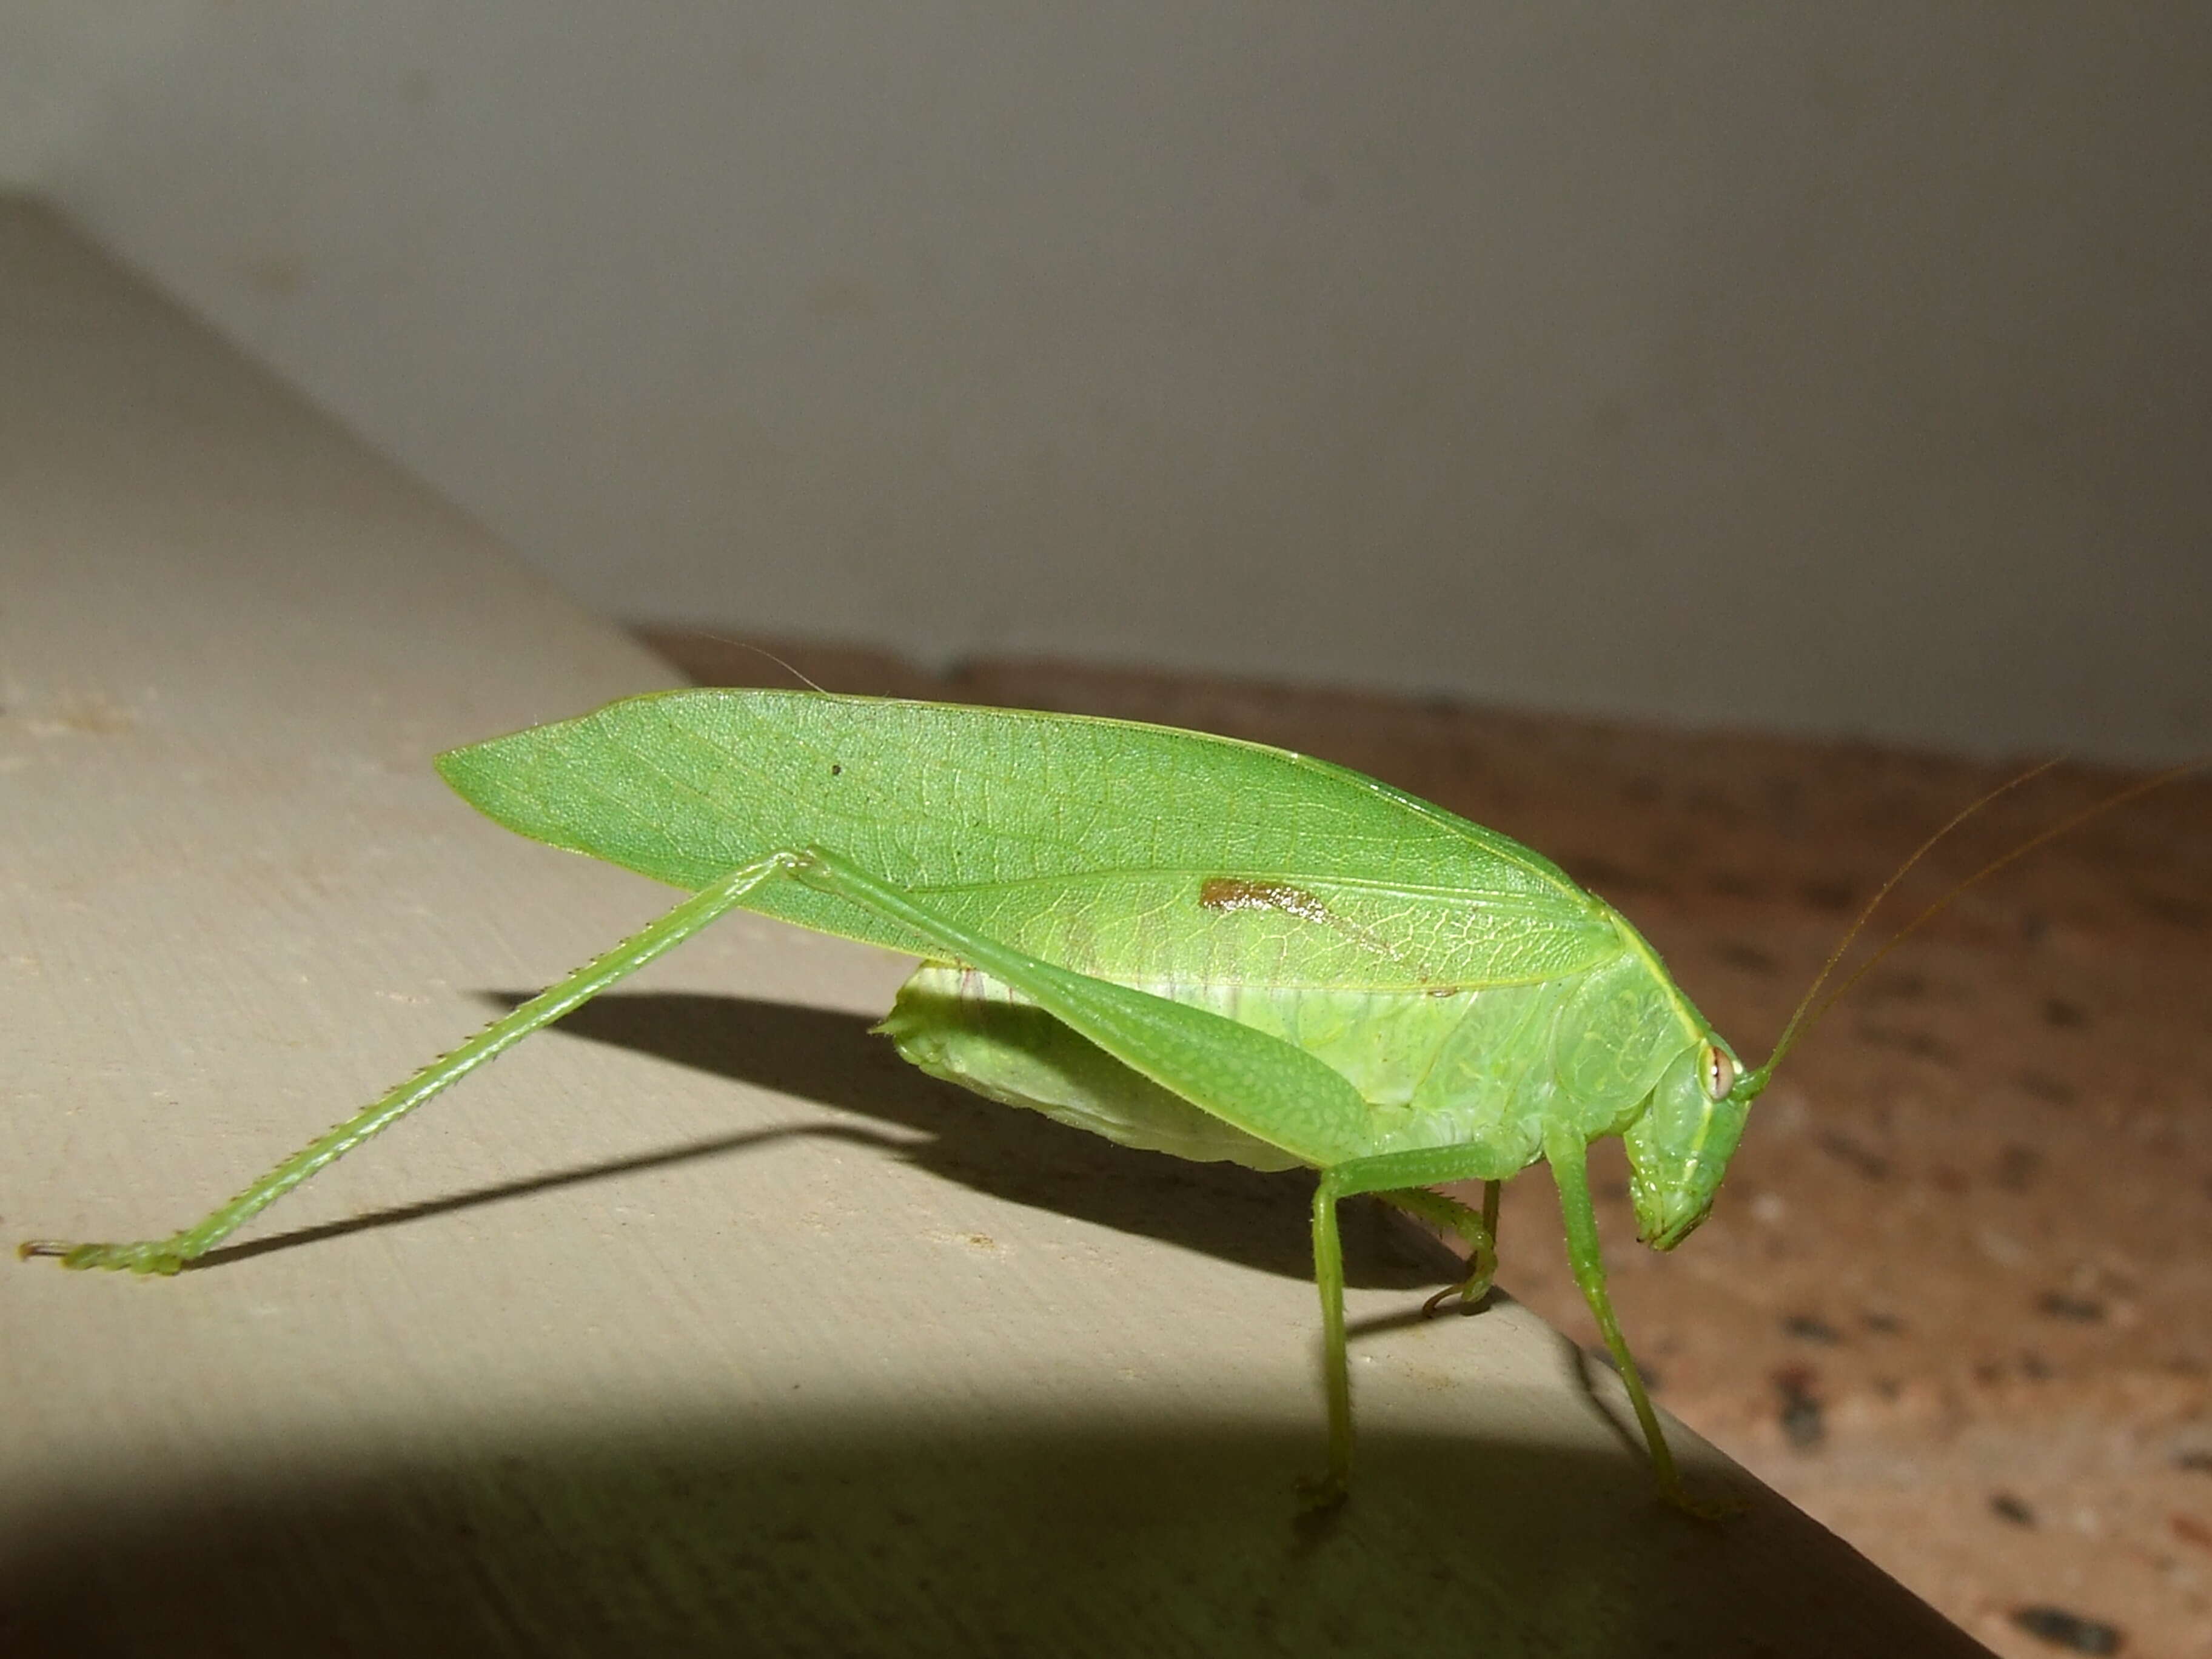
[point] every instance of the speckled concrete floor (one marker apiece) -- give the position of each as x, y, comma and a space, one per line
1956, 1300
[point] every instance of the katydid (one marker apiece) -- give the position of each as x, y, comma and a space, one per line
1204, 946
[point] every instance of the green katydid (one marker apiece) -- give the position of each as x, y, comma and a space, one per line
1201, 945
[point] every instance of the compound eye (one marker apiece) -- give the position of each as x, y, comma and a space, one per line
1720, 1072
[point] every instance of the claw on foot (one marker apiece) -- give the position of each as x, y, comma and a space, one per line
154, 1257
1677, 1496
1319, 1496
1470, 1290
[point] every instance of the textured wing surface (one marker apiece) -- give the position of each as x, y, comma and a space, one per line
1132, 853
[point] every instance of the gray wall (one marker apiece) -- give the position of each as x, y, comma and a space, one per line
1844, 368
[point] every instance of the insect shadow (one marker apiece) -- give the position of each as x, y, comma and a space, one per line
1255, 1220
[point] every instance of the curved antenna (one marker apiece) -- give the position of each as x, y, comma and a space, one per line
762, 651
2142, 787
1799, 1022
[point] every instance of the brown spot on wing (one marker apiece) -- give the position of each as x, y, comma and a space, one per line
1236, 893
1224, 894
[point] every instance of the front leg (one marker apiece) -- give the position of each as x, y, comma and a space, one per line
1569, 1157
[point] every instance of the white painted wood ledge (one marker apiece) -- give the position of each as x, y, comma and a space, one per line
702, 1327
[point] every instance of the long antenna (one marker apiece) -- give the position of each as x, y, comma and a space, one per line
1799, 1023
2142, 787
762, 651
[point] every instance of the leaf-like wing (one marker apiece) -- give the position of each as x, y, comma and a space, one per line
1138, 854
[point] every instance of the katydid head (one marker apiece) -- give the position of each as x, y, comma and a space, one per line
1678, 1149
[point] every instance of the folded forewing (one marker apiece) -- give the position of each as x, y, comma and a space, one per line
1119, 850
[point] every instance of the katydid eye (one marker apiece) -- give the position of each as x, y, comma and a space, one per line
1720, 1073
